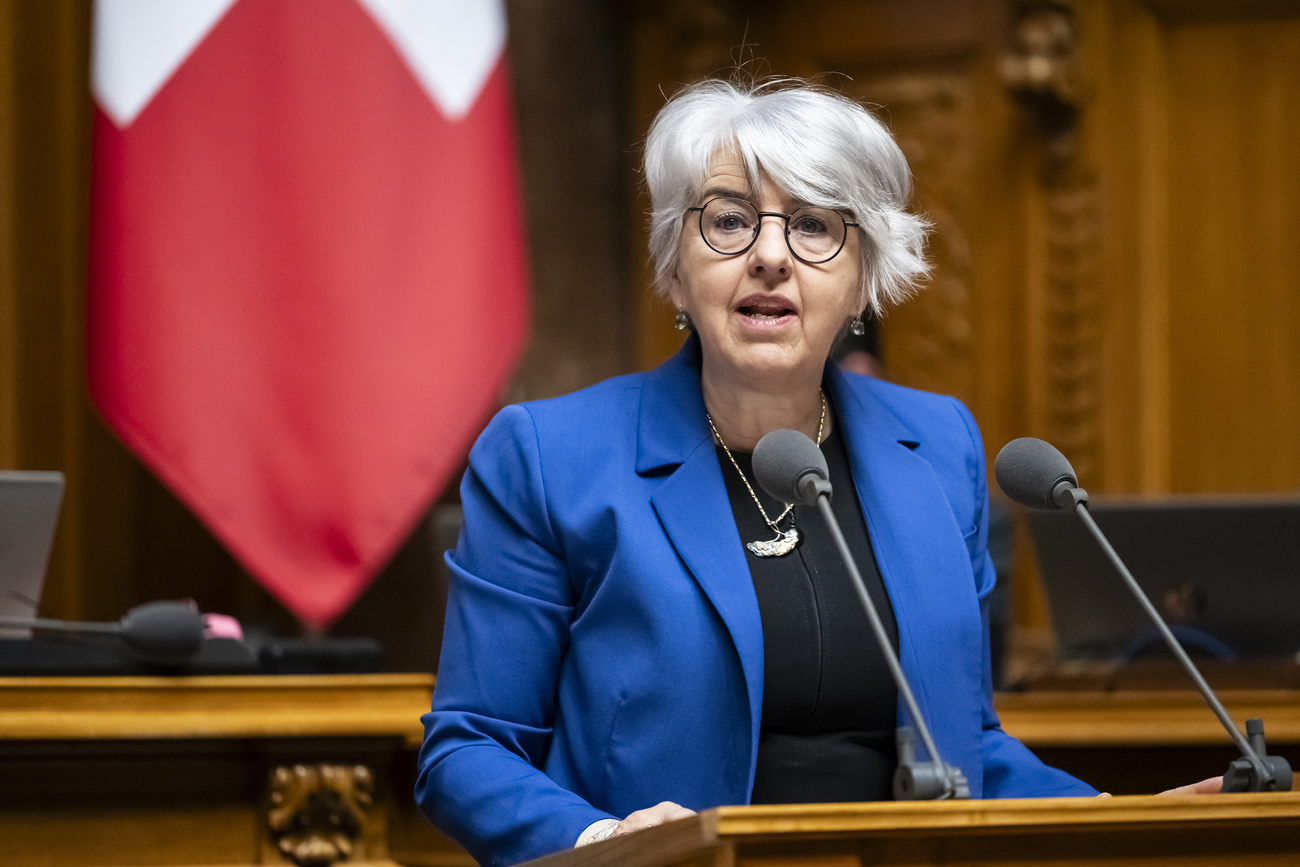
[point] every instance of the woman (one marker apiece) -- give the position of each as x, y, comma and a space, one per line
635, 631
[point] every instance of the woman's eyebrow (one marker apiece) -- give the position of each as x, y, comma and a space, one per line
722, 192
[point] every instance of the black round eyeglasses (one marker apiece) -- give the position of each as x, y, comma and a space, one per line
731, 226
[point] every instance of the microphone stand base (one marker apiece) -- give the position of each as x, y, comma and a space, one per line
1258, 773
925, 781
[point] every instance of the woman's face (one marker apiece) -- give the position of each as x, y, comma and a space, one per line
764, 317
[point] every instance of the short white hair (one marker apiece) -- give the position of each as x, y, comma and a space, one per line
818, 146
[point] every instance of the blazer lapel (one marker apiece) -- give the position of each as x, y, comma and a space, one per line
919, 549
693, 507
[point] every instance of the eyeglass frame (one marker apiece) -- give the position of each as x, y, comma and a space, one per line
758, 228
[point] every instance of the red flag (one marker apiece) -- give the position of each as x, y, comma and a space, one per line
307, 281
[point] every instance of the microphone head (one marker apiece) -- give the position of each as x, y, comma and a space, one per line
1028, 471
163, 633
783, 459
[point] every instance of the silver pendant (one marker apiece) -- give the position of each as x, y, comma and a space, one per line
780, 546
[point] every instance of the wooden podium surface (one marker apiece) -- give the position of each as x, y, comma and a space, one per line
1249, 830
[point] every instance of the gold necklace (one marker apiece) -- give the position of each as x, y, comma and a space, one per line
785, 539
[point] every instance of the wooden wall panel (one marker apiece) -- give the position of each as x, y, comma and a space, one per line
1124, 137
1234, 116
1185, 118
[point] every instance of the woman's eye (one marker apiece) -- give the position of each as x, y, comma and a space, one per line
806, 224
729, 222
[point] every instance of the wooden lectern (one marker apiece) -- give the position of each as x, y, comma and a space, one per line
1206, 830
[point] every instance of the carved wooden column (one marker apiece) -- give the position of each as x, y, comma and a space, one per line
1063, 235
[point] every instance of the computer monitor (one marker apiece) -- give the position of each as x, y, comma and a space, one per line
1224, 571
29, 514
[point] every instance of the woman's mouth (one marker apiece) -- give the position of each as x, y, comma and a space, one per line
765, 311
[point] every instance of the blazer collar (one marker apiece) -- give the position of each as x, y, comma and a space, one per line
672, 423
860, 410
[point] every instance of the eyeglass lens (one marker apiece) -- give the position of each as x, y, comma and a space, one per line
730, 226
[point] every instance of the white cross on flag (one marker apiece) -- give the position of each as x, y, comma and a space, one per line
307, 276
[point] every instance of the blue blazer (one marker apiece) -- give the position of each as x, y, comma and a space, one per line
603, 649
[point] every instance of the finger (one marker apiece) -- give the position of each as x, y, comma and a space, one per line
667, 811
631, 826
638, 821
664, 811
1212, 786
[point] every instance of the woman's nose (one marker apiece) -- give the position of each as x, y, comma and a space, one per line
771, 252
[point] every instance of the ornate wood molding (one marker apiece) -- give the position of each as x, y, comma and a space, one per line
1072, 205
1040, 68
929, 341
319, 812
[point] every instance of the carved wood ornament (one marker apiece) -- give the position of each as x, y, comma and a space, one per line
1040, 69
318, 812
930, 340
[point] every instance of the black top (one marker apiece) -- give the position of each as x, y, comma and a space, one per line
829, 703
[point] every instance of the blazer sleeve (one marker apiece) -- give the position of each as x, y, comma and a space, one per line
1010, 769
509, 607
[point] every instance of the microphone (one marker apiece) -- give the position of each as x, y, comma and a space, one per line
790, 467
1034, 474
161, 633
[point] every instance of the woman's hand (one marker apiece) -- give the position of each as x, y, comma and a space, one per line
664, 811
1212, 786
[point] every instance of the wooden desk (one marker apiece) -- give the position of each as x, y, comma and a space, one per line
1145, 718
1141, 742
214, 770
1250, 830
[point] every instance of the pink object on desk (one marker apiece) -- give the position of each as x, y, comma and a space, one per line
222, 626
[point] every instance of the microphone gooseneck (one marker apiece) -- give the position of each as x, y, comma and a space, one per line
791, 468
164, 633
1034, 474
